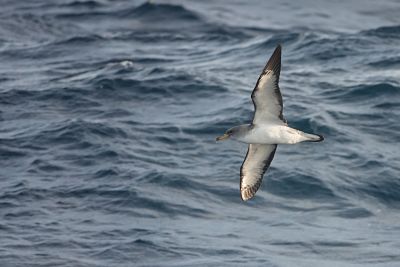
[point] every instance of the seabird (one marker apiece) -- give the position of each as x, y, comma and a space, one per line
268, 128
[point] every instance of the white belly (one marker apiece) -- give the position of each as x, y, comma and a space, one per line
274, 134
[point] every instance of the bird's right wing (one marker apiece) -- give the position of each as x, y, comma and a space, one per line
256, 163
266, 96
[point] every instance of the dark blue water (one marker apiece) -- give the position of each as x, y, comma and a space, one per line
109, 111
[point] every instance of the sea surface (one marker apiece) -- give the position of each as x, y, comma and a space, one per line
109, 112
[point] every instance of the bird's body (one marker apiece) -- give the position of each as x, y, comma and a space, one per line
274, 134
268, 129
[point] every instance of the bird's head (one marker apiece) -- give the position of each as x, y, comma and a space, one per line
234, 132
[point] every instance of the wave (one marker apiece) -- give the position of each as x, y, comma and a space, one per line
392, 62
170, 86
79, 40
83, 4
386, 32
161, 12
364, 92
76, 130
302, 186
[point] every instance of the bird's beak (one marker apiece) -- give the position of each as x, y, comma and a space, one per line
222, 137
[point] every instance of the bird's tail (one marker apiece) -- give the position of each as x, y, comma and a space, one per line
313, 137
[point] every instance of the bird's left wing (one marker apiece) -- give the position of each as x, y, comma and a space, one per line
266, 96
256, 163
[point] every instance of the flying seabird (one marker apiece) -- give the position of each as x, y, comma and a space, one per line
268, 128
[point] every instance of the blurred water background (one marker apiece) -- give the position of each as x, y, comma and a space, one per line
109, 112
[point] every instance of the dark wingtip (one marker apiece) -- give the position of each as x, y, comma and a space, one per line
321, 138
274, 63
277, 52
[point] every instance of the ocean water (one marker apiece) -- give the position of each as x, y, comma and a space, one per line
109, 112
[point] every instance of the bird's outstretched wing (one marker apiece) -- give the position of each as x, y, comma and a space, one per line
256, 163
266, 96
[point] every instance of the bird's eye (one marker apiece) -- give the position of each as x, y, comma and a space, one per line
229, 132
